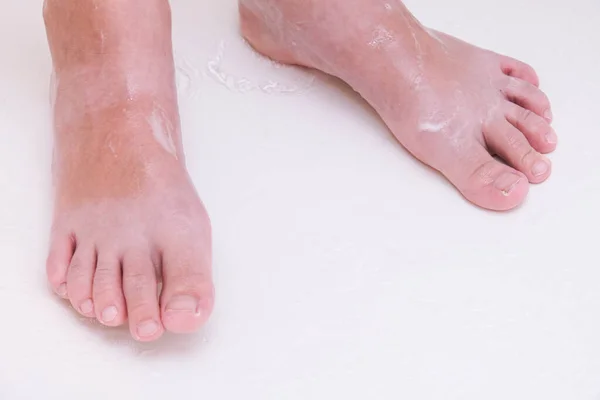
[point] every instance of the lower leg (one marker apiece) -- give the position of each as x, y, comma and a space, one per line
126, 214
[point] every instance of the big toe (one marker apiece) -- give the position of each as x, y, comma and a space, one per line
487, 182
188, 295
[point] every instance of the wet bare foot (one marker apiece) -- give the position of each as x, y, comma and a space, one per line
451, 104
127, 216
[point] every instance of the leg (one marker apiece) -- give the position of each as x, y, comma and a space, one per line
451, 104
126, 214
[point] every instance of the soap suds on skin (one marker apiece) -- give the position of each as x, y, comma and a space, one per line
112, 149
131, 90
435, 36
102, 40
162, 131
432, 127
381, 37
411, 22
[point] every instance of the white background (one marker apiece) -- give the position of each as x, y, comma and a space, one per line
344, 268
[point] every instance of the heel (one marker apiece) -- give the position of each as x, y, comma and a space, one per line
261, 38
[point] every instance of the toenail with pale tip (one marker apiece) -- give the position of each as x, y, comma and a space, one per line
539, 168
551, 137
183, 303
548, 114
62, 290
147, 328
109, 314
87, 307
507, 182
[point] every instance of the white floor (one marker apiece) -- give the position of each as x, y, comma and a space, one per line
345, 269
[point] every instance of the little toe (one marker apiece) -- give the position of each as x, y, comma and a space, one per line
188, 295
108, 291
141, 295
519, 69
536, 129
79, 279
487, 182
529, 97
61, 251
512, 146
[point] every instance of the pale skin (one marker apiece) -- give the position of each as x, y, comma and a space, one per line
126, 213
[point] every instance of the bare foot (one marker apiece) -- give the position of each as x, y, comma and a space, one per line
451, 104
127, 216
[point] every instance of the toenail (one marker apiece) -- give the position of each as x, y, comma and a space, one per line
551, 137
109, 314
62, 290
507, 182
147, 328
87, 307
548, 114
183, 303
539, 168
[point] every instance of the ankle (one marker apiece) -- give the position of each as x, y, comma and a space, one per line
145, 124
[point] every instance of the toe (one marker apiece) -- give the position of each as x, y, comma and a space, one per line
57, 263
79, 279
141, 296
512, 146
188, 295
519, 69
536, 129
108, 291
487, 182
529, 97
